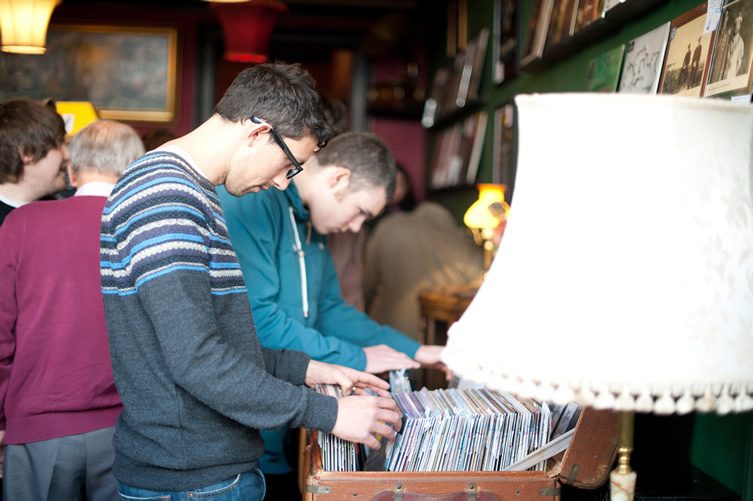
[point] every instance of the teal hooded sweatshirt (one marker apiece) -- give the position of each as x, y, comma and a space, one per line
294, 292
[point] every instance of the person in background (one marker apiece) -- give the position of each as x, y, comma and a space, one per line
58, 402
346, 247
32, 153
280, 238
195, 383
154, 138
409, 251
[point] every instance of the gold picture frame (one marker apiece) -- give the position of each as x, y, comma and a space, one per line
128, 73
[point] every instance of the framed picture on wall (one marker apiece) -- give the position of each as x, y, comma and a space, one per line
505, 148
686, 65
643, 60
128, 73
504, 40
730, 71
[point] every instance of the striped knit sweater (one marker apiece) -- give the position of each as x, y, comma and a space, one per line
195, 384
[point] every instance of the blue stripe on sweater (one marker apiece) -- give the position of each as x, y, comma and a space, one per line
181, 237
124, 196
171, 208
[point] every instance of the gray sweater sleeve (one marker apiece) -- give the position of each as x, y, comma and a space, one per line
222, 368
288, 365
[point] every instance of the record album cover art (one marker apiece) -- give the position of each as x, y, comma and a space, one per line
644, 57
603, 72
688, 54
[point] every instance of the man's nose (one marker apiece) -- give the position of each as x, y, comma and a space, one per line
281, 181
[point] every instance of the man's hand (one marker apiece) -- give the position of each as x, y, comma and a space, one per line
348, 379
431, 356
382, 358
359, 418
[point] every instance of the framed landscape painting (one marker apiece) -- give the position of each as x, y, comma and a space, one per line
128, 73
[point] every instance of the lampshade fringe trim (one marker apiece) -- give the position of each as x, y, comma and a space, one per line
719, 398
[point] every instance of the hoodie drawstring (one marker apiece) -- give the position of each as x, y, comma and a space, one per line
298, 249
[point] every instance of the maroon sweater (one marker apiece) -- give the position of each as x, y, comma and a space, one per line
55, 373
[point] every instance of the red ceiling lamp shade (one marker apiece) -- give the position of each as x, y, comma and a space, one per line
247, 27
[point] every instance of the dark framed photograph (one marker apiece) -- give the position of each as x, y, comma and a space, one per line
505, 148
730, 71
504, 40
128, 73
686, 65
643, 61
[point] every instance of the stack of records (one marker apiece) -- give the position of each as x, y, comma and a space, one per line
466, 430
337, 454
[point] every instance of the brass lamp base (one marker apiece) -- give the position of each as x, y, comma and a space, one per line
622, 478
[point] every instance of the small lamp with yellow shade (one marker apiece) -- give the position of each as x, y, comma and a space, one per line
23, 25
76, 115
485, 215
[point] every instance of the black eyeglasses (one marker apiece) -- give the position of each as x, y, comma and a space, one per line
297, 167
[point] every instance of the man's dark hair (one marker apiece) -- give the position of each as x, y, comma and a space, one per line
282, 94
367, 157
27, 128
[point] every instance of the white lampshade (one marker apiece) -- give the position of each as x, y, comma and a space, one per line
625, 276
23, 25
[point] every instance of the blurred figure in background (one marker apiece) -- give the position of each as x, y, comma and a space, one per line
60, 414
154, 138
413, 250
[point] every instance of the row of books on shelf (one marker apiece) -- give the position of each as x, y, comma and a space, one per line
558, 27
696, 54
470, 429
554, 24
455, 86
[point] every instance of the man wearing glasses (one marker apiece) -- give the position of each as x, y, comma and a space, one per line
281, 242
195, 384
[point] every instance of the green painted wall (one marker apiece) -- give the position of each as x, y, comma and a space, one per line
720, 446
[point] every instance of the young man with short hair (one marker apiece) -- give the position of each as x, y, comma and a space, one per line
32, 153
280, 238
195, 383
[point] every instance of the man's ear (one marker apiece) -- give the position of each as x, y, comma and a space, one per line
26, 159
72, 178
338, 177
254, 130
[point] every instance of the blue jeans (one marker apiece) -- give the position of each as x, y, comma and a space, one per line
247, 486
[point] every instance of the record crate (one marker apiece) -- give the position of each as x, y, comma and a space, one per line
586, 464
